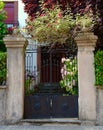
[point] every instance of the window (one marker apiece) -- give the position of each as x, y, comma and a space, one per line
12, 13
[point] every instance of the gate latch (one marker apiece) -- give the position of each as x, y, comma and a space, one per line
51, 103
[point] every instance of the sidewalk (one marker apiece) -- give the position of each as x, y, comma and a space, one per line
55, 127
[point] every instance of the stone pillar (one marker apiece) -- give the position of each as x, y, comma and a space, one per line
86, 76
15, 76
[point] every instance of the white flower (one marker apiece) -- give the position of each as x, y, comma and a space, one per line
68, 73
74, 68
68, 83
65, 67
71, 73
70, 86
70, 63
68, 60
73, 82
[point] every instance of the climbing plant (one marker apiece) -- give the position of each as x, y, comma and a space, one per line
77, 6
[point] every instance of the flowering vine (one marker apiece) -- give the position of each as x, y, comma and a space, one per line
56, 26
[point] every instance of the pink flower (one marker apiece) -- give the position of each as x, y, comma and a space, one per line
63, 59
62, 70
10, 29
42, 15
59, 15
49, 24
65, 72
62, 76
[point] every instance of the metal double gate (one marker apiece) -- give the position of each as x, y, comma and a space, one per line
50, 102
51, 106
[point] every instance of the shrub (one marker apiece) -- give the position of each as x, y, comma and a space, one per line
69, 76
3, 28
3, 69
99, 67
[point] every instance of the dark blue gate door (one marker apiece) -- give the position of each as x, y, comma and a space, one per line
47, 106
64, 106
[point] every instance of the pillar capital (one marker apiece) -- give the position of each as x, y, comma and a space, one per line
86, 39
15, 41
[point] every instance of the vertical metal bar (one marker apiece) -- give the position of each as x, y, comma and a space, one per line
50, 72
46, 70
57, 72
43, 72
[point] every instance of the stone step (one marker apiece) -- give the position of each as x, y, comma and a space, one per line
51, 121
56, 121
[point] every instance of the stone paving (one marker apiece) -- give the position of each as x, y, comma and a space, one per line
50, 127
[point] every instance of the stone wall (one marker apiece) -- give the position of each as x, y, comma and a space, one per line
2, 102
99, 106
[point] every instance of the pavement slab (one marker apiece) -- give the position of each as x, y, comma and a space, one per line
55, 127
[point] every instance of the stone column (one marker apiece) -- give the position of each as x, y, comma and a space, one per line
15, 76
86, 76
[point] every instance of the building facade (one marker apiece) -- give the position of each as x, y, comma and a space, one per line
15, 13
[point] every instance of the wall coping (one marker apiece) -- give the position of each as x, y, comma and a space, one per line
99, 87
3, 86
